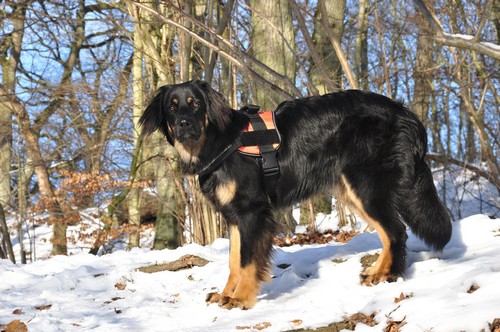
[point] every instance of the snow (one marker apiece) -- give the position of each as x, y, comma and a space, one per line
320, 286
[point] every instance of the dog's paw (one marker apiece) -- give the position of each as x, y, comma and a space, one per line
215, 298
371, 277
229, 302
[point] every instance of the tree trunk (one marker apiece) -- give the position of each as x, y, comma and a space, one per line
5, 153
496, 18
422, 74
167, 220
361, 51
6, 244
49, 199
10, 55
157, 44
134, 216
273, 44
322, 39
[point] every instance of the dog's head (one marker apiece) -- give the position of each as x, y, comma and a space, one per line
184, 112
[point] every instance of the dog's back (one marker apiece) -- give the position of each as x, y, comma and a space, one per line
375, 144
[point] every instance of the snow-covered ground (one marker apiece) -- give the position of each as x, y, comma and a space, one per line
313, 285
457, 290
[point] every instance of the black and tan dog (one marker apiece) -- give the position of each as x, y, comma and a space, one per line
365, 147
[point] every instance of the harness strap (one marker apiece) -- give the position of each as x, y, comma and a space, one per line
266, 138
212, 166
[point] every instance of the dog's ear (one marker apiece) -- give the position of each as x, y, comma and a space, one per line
218, 110
154, 117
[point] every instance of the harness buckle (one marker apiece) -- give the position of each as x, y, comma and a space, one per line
270, 165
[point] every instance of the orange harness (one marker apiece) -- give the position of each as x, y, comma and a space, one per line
260, 140
269, 121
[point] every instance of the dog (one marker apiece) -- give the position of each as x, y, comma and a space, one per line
366, 149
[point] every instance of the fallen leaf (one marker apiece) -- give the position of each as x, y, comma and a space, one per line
43, 307
16, 326
120, 285
238, 327
17, 312
262, 326
402, 297
297, 322
259, 326
362, 318
473, 288
395, 326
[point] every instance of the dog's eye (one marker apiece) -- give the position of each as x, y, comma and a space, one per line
195, 104
172, 108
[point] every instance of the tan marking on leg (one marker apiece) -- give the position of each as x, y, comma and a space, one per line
245, 294
225, 192
234, 268
381, 271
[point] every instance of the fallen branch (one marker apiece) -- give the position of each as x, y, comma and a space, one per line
185, 262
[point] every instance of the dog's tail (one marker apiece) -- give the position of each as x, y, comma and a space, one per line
420, 207
426, 216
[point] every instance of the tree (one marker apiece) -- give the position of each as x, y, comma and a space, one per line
157, 43
273, 44
361, 50
328, 30
12, 16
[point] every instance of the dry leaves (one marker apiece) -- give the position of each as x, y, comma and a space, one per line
315, 238
43, 307
120, 285
473, 288
402, 297
259, 326
395, 326
14, 326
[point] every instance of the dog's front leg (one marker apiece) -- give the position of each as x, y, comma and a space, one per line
242, 284
249, 259
234, 269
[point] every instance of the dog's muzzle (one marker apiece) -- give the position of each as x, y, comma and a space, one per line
186, 130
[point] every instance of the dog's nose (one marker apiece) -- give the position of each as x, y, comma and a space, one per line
184, 123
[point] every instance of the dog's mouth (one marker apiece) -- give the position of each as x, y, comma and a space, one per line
187, 137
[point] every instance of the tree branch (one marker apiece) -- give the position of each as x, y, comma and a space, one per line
454, 40
482, 173
238, 57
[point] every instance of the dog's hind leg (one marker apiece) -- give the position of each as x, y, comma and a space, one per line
381, 215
